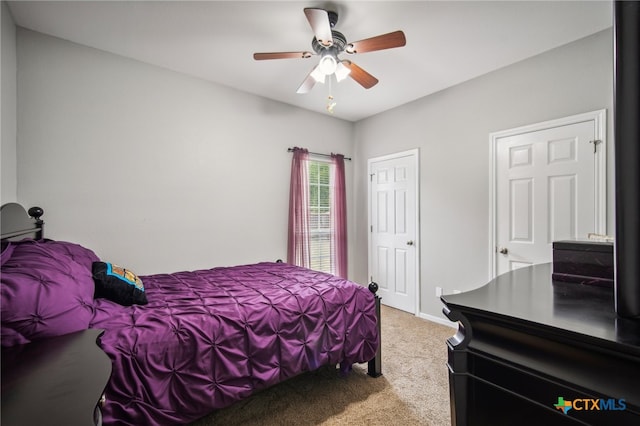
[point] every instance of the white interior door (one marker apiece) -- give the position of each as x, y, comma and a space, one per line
393, 224
547, 189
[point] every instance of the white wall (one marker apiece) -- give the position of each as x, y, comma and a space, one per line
451, 129
8, 161
153, 169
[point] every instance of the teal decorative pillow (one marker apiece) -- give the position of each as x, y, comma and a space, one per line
117, 284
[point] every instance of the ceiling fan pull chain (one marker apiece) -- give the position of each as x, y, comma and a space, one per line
330, 102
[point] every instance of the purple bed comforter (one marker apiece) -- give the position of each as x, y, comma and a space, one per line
206, 338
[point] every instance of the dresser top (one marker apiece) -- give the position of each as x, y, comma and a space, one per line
529, 295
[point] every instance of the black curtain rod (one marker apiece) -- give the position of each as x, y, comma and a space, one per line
317, 153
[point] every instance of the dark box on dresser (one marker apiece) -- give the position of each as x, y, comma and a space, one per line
583, 262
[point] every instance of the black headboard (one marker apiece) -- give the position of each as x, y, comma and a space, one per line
16, 222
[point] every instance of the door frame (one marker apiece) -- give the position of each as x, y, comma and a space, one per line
599, 118
415, 154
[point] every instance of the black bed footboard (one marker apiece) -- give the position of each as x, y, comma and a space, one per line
374, 368
375, 365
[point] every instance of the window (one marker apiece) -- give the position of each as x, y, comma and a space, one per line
317, 234
320, 230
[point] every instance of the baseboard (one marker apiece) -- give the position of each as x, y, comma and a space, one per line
438, 320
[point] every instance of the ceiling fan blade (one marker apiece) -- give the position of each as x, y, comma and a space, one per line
281, 55
319, 21
381, 42
308, 82
363, 78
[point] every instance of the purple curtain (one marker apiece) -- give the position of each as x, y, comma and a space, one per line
339, 217
298, 249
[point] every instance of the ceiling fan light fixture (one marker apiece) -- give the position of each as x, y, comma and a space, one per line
318, 75
328, 63
342, 71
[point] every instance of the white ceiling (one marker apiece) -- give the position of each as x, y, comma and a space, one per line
448, 42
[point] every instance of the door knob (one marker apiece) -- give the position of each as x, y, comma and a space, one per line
503, 250
410, 243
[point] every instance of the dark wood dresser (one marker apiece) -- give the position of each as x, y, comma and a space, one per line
54, 381
527, 345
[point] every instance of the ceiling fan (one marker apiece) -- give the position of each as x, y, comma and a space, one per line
328, 44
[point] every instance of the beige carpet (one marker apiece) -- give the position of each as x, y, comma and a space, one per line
413, 390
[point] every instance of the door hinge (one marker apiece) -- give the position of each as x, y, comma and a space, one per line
595, 143
371, 228
371, 175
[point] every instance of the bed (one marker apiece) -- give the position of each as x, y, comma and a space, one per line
203, 340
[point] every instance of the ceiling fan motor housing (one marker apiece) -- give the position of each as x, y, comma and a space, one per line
339, 43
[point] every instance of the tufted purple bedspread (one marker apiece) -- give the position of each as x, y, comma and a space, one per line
208, 338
